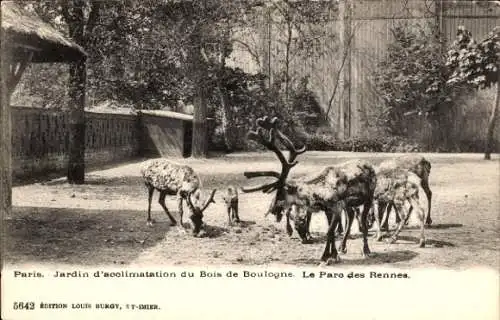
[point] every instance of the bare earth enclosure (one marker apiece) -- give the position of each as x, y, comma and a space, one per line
103, 223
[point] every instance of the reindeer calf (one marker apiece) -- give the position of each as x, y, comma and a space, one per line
417, 165
397, 188
171, 178
231, 202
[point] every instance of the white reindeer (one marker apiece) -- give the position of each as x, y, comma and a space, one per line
398, 188
419, 166
171, 178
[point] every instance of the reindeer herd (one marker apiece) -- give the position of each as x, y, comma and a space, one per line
358, 188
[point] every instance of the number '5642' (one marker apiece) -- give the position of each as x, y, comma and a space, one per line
24, 306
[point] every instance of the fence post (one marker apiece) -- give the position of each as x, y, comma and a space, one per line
345, 109
439, 8
267, 45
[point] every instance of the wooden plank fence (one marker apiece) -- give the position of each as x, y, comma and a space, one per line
356, 103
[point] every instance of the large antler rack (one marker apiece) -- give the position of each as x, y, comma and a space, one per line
266, 134
208, 201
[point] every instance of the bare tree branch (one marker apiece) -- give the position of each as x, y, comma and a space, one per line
254, 54
339, 71
94, 15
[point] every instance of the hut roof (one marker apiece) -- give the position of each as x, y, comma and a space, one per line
23, 30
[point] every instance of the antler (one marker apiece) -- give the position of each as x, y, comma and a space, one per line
190, 204
207, 203
209, 200
269, 141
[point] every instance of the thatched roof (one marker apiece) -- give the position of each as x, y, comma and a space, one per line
23, 30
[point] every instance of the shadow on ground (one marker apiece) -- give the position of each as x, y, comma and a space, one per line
428, 242
94, 180
374, 259
213, 231
80, 236
445, 226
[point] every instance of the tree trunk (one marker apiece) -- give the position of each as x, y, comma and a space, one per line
225, 110
77, 83
5, 139
199, 146
225, 117
200, 141
491, 123
76, 162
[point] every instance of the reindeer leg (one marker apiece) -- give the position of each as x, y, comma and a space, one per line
235, 211
180, 207
421, 216
364, 216
329, 217
385, 222
382, 217
229, 215
330, 253
371, 216
357, 214
289, 229
340, 227
406, 219
161, 200
326, 252
425, 185
350, 212
398, 217
151, 190
308, 223
401, 210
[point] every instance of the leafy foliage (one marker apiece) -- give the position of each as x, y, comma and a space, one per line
472, 62
325, 142
413, 77
249, 99
140, 51
478, 64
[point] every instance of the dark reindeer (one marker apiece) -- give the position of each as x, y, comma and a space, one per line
346, 186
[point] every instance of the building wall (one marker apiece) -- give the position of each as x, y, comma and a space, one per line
162, 136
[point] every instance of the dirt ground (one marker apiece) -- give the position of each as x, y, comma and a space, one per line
103, 222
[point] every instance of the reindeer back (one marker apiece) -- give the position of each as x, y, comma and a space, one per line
164, 174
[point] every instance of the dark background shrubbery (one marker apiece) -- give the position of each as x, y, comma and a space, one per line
303, 119
250, 98
325, 142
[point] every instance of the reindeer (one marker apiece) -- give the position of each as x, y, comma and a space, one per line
397, 187
231, 202
350, 185
171, 178
420, 167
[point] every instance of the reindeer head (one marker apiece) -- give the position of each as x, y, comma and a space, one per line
195, 205
266, 134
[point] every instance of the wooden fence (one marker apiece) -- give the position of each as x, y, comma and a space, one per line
352, 42
40, 139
